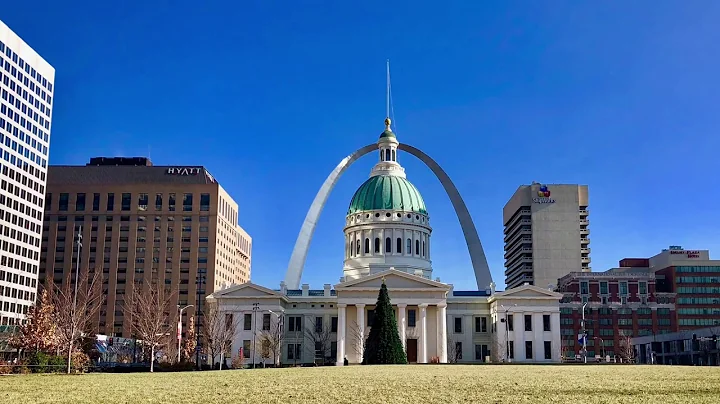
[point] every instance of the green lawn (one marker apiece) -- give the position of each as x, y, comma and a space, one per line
379, 384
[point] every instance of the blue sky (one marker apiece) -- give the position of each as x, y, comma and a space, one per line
270, 97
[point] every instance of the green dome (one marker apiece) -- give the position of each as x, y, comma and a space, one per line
387, 133
386, 192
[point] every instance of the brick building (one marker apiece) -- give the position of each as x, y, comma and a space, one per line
621, 303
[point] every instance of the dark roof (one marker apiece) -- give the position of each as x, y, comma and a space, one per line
121, 174
470, 293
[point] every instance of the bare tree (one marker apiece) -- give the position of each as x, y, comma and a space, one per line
320, 336
75, 312
497, 353
627, 350
357, 340
454, 354
271, 342
149, 311
219, 331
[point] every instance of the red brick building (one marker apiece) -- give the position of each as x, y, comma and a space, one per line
620, 303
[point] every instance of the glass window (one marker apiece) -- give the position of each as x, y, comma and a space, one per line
548, 349
458, 325
63, 201
399, 246
204, 202
111, 202
528, 350
528, 322
584, 288
370, 317
511, 353
80, 202
333, 324
546, 322
643, 288
510, 322
96, 202
158, 201
171, 202
247, 322
125, 201
142, 201
266, 321
388, 245
411, 317
408, 247
48, 201
187, 202
623, 288
604, 288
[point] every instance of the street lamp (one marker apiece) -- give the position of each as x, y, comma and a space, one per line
78, 241
584, 333
256, 307
200, 280
507, 331
179, 328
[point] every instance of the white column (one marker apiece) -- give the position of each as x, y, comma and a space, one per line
556, 339
401, 324
442, 330
538, 340
518, 335
341, 335
361, 330
423, 333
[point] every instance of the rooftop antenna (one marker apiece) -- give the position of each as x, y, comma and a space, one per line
389, 111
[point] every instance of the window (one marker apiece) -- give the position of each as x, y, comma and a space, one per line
294, 351
318, 325
417, 247
63, 202
458, 350
80, 202
171, 202
377, 245
623, 288
548, 350
480, 324
125, 201
246, 348
367, 246
546, 322
603, 288
333, 324
204, 202
528, 322
158, 201
408, 247
478, 352
187, 202
96, 202
584, 288
370, 317
528, 350
643, 288
458, 325
388, 245
142, 201
295, 324
398, 247
357, 252
510, 322
247, 323
266, 321
412, 318
511, 349
111, 202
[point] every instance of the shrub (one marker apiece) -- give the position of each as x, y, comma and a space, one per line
56, 364
21, 369
5, 369
80, 362
38, 362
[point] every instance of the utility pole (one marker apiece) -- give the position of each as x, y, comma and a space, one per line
584, 334
255, 308
78, 241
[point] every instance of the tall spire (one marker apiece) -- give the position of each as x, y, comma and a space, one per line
387, 96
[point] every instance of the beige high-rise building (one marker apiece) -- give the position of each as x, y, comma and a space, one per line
175, 224
546, 234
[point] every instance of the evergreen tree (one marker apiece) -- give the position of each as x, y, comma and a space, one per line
383, 345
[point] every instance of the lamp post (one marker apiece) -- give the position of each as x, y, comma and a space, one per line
507, 331
280, 331
602, 345
179, 328
200, 280
256, 307
78, 241
584, 333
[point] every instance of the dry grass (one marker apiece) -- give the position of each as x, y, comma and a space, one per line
379, 384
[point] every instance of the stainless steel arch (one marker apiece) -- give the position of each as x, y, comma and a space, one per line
302, 245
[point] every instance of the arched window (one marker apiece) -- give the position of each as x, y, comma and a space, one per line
393, 155
357, 252
388, 245
399, 246
423, 248
382, 155
377, 245
417, 247
367, 246
387, 154
408, 247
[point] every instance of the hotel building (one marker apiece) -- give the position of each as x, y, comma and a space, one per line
174, 225
546, 234
26, 89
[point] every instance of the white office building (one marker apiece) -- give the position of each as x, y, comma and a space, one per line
546, 234
387, 236
26, 87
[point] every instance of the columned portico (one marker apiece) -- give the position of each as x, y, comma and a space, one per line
402, 324
341, 334
423, 333
442, 329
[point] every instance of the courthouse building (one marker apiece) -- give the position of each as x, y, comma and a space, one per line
388, 239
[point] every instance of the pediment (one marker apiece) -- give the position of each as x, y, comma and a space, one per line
528, 291
393, 279
247, 290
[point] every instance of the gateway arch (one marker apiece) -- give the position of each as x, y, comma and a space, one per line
299, 254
